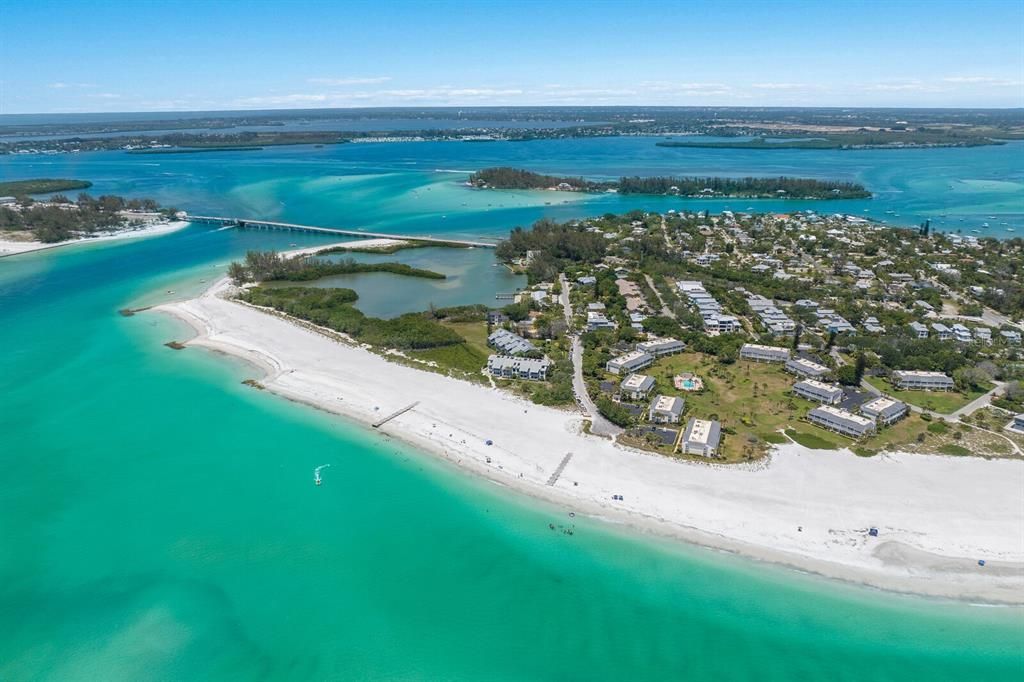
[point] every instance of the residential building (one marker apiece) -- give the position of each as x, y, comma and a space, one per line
841, 421
919, 329
962, 334
818, 391
1010, 336
944, 333
805, 368
587, 280
666, 409
510, 367
884, 410
759, 353
636, 386
983, 334
922, 381
660, 347
507, 343
597, 320
701, 437
630, 362
1018, 421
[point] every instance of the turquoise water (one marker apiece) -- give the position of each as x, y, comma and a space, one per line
158, 519
471, 276
397, 185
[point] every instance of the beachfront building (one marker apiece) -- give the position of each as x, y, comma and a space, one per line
922, 381
759, 353
841, 421
511, 367
630, 362
1018, 421
660, 347
962, 334
885, 411
507, 343
701, 437
666, 409
803, 367
636, 386
818, 391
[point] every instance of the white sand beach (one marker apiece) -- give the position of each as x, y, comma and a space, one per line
10, 247
936, 516
358, 244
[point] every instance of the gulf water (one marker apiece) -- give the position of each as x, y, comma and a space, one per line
158, 519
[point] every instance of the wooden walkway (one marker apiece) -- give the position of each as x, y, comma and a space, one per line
381, 422
245, 224
559, 469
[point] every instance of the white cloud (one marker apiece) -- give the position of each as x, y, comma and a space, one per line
349, 81
980, 80
784, 86
282, 100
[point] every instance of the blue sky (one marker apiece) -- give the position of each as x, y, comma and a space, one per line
146, 56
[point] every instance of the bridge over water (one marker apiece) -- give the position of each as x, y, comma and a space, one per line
246, 224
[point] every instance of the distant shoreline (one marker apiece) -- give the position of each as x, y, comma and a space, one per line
10, 248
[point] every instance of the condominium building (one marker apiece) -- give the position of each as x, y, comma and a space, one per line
636, 386
701, 437
666, 409
510, 367
841, 421
819, 392
805, 368
884, 410
759, 353
508, 343
922, 381
630, 362
659, 347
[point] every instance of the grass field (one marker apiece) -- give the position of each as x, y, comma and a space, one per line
942, 402
751, 400
465, 358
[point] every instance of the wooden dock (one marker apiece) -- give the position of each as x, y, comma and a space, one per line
559, 469
381, 422
246, 224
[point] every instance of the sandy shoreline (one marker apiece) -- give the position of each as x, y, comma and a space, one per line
806, 509
15, 248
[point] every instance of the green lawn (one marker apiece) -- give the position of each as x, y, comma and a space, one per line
468, 358
811, 440
751, 400
943, 402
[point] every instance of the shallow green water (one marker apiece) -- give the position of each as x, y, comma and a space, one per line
158, 520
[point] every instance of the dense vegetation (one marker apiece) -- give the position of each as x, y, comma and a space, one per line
270, 266
554, 245
749, 187
19, 188
61, 219
516, 178
333, 308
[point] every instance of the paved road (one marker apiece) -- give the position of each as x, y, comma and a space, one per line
976, 404
598, 425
